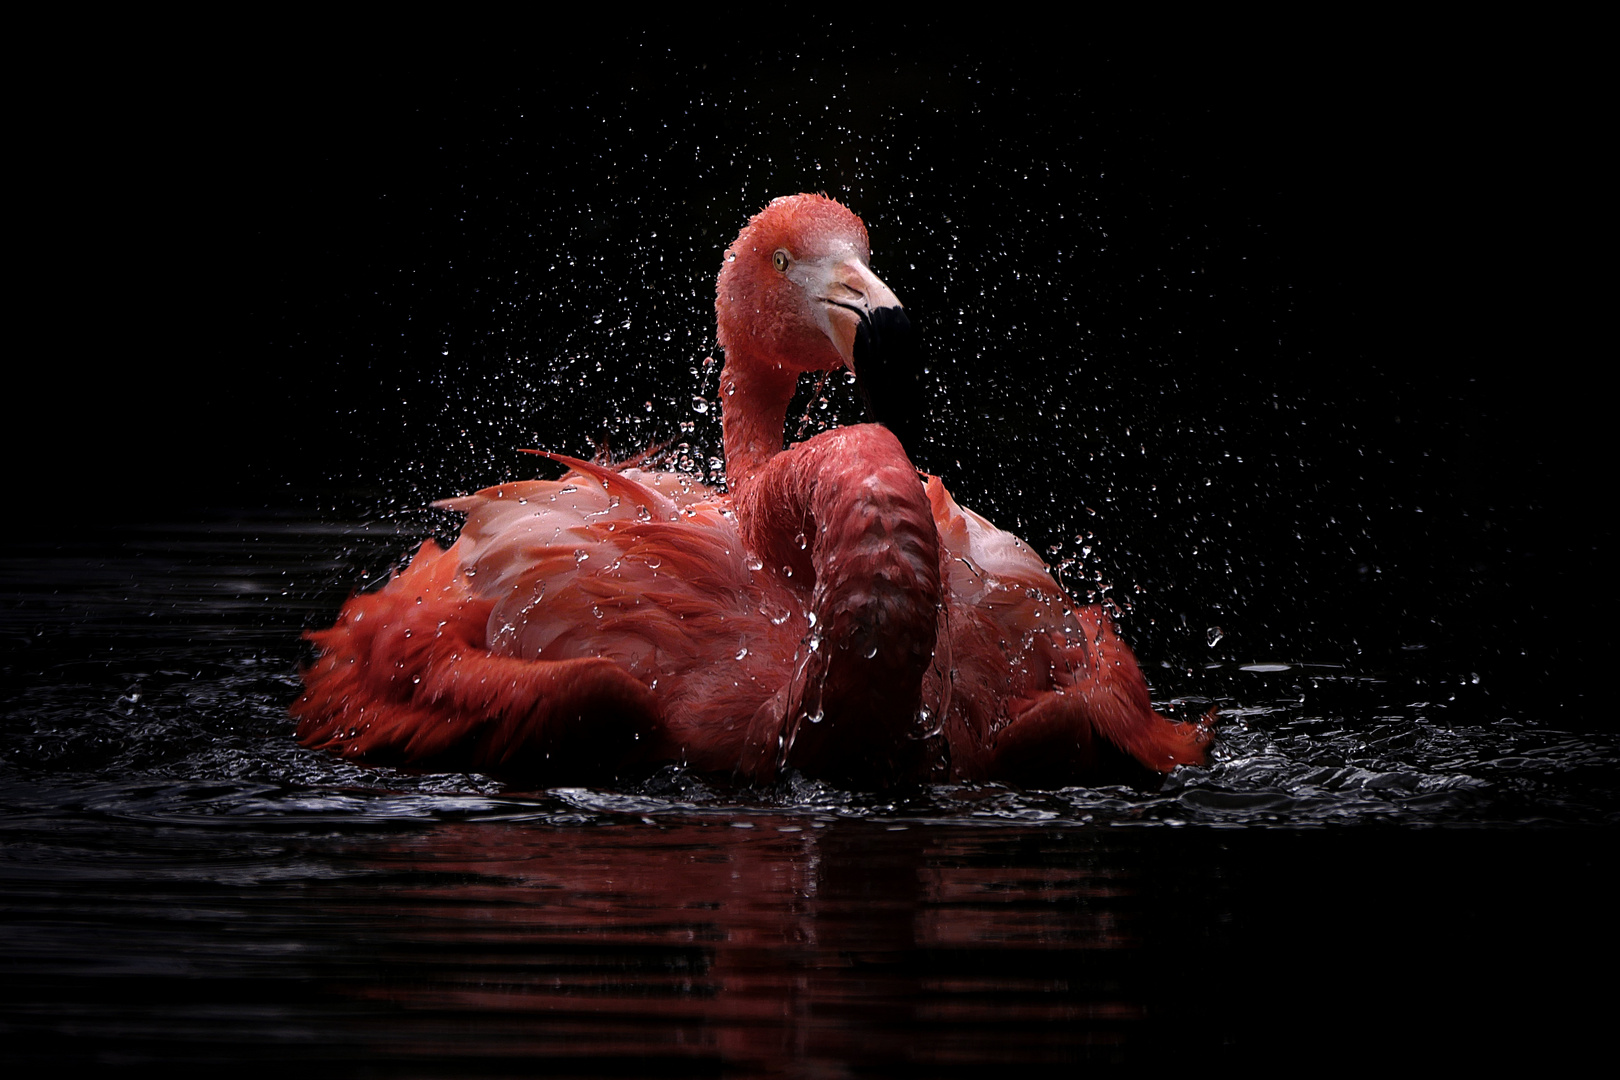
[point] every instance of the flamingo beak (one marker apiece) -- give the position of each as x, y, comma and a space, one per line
847, 296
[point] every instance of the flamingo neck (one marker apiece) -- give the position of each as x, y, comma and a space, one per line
845, 515
754, 397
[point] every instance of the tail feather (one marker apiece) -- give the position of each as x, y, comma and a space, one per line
1104, 697
405, 681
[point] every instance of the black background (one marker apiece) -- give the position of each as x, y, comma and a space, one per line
1292, 334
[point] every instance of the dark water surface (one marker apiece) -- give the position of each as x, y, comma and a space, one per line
1378, 864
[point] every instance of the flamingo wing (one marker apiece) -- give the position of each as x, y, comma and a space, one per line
605, 621
404, 677
1033, 680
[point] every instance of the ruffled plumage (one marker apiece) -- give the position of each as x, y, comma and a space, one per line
833, 613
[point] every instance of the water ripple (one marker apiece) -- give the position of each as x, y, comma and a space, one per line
153, 683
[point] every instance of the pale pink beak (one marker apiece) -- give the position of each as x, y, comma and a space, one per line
846, 292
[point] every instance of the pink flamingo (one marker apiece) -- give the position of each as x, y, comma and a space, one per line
835, 613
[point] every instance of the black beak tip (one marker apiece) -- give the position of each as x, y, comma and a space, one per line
888, 372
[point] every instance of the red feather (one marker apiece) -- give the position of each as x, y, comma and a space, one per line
831, 614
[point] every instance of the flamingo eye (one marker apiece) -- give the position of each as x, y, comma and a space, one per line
780, 259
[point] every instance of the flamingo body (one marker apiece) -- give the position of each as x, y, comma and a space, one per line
833, 613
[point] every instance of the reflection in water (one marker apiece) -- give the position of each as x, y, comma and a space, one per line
788, 945
759, 946
695, 946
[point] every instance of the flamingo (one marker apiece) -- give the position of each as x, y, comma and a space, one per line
834, 612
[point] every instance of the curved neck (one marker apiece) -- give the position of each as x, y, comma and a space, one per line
754, 397
853, 499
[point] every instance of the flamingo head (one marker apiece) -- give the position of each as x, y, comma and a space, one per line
796, 289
